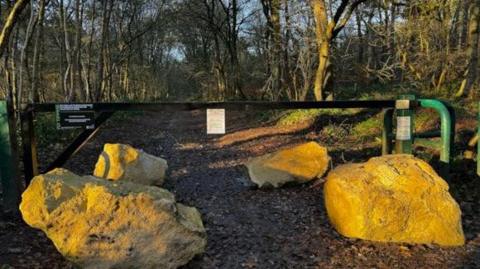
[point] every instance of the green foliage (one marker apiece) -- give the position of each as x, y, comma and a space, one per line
425, 119
429, 143
372, 92
299, 116
47, 133
369, 127
465, 109
335, 132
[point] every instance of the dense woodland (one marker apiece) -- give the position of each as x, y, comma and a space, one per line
145, 50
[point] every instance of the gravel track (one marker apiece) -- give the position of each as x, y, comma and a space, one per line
246, 227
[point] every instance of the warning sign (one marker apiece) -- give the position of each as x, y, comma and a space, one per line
404, 125
70, 116
215, 121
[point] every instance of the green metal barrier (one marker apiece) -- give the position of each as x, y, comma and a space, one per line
405, 136
446, 129
8, 168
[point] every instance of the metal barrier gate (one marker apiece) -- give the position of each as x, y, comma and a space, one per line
100, 112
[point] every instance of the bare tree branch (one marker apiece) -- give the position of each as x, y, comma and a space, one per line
10, 23
339, 26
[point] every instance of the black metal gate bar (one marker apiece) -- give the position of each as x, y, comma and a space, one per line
30, 161
107, 109
78, 143
187, 106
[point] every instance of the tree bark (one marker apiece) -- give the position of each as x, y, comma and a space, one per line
10, 23
100, 82
34, 96
323, 31
326, 30
24, 66
277, 48
87, 74
287, 76
463, 27
77, 66
471, 74
361, 42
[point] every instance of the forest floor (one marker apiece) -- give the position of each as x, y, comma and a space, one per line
248, 227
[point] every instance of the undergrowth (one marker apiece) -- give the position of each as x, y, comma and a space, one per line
47, 133
310, 115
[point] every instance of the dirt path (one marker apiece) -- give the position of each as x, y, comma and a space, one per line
250, 228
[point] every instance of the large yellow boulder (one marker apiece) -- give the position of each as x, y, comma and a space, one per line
123, 162
394, 198
299, 164
96, 223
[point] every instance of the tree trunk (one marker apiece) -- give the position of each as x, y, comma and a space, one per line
34, 96
68, 72
463, 27
326, 30
323, 31
24, 66
87, 73
287, 76
219, 71
273, 36
276, 48
391, 30
77, 66
361, 41
471, 73
10, 23
100, 82
13, 67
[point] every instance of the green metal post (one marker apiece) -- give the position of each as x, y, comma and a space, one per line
446, 126
387, 133
404, 136
8, 167
453, 123
448, 137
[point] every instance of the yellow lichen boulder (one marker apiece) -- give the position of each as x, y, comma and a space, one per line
299, 164
394, 198
123, 162
96, 223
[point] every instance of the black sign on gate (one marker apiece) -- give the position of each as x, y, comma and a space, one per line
70, 116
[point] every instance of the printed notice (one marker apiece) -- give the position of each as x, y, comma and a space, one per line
215, 121
404, 128
70, 116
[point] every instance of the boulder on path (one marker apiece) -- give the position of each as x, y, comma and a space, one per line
101, 224
123, 162
394, 198
299, 164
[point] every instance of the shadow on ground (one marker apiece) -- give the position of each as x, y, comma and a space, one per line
251, 228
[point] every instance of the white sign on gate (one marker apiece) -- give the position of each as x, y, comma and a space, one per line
215, 121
